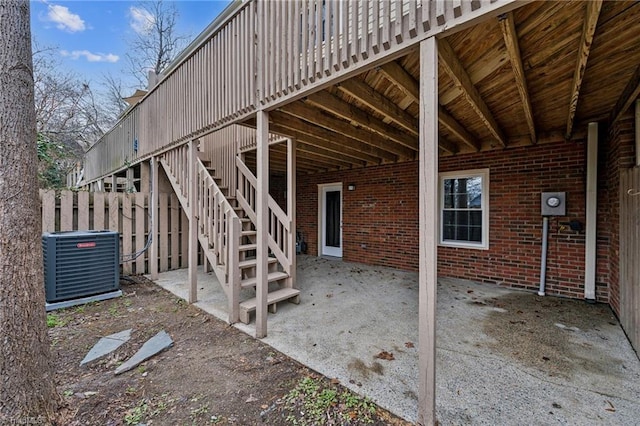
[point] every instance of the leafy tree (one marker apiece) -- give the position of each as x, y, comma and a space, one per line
27, 391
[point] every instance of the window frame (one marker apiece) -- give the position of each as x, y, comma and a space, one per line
484, 207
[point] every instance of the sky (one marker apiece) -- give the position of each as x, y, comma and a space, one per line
89, 37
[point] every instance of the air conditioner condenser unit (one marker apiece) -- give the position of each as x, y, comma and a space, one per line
80, 266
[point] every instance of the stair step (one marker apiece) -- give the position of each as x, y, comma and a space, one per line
250, 263
273, 277
249, 233
273, 297
248, 247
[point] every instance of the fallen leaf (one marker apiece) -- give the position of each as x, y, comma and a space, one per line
329, 295
409, 345
264, 406
251, 398
385, 355
335, 381
469, 291
546, 358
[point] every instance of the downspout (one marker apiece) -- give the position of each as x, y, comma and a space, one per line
591, 214
543, 263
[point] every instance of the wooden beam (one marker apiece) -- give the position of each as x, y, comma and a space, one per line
457, 129
262, 222
291, 211
155, 240
193, 221
448, 146
397, 75
292, 122
588, 31
428, 231
628, 95
333, 148
510, 36
304, 112
377, 102
461, 79
333, 104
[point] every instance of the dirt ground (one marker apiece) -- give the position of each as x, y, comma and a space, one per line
213, 373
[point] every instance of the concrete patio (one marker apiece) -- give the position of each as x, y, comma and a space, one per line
503, 356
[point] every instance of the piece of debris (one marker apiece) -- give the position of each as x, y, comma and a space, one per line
556, 405
409, 345
251, 398
106, 345
335, 381
151, 347
610, 408
90, 393
385, 355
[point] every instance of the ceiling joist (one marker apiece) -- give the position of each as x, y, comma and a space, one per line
304, 112
459, 75
513, 49
331, 103
397, 75
457, 129
629, 94
588, 31
382, 105
295, 123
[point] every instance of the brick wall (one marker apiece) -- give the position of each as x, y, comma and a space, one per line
380, 217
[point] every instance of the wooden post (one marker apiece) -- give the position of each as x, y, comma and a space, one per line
591, 213
262, 222
428, 212
130, 185
291, 209
193, 222
114, 183
235, 230
145, 182
155, 240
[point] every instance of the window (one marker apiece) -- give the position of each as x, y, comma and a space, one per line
464, 209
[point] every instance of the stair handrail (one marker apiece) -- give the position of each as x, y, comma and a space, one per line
218, 224
279, 222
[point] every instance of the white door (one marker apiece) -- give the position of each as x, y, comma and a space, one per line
331, 222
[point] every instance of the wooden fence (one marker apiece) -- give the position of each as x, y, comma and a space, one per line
629, 254
127, 213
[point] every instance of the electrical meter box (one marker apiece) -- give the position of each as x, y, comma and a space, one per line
553, 204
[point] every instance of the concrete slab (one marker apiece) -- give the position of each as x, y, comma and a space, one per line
151, 347
501, 356
106, 345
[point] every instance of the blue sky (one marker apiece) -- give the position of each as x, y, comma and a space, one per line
89, 37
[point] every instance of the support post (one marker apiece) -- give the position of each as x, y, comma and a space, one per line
291, 210
428, 214
262, 213
145, 182
130, 186
155, 240
114, 183
592, 209
192, 196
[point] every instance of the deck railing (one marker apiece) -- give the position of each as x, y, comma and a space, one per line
265, 53
217, 223
279, 222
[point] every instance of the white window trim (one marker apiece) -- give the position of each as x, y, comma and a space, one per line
484, 174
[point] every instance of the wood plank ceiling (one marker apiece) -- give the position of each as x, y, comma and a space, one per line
535, 75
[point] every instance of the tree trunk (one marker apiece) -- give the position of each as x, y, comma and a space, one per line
27, 391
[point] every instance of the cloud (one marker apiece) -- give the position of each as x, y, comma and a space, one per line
91, 57
141, 21
64, 19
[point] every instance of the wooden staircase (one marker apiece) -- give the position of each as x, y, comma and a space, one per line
227, 233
